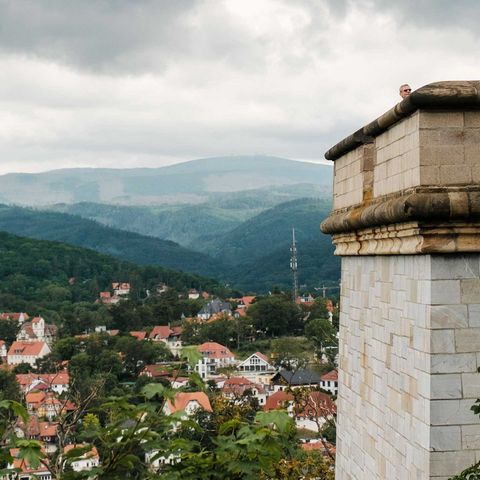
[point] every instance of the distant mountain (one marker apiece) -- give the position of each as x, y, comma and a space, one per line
187, 183
260, 247
189, 224
119, 243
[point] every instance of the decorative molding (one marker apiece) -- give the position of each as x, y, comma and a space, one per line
418, 204
409, 239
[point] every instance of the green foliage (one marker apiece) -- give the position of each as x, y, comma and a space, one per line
9, 388
276, 315
323, 335
292, 353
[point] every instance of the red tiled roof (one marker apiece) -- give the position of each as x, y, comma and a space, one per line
155, 371
237, 381
35, 397
91, 453
13, 316
48, 429
160, 331
139, 335
278, 400
318, 404
330, 376
262, 356
182, 399
215, 350
26, 348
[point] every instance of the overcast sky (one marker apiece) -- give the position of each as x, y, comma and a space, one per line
125, 83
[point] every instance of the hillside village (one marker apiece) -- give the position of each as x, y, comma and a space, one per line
41, 364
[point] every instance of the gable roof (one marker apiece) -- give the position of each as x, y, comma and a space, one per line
277, 400
215, 350
26, 348
330, 376
182, 399
139, 335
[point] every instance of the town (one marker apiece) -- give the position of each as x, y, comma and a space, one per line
224, 359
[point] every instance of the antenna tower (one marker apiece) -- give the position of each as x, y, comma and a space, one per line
294, 265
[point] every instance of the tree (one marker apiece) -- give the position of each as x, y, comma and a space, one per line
275, 316
323, 335
8, 330
9, 388
291, 353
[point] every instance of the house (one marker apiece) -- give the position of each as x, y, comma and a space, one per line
56, 382
24, 471
299, 378
214, 356
155, 371
213, 307
139, 335
193, 294
108, 299
236, 387
84, 462
37, 329
18, 317
256, 363
188, 402
171, 336
45, 432
27, 352
313, 411
121, 289
310, 412
329, 382
162, 288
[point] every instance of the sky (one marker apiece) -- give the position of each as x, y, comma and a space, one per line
144, 83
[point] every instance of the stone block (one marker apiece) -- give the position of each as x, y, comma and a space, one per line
442, 341
454, 363
454, 174
447, 464
446, 438
444, 267
429, 175
471, 437
470, 290
472, 119
452, 412
444, 387
474, 314
467, 340
441, 155
471, 385
441, 119
448, 316
445, 292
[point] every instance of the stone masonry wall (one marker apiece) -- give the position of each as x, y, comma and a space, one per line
409, 333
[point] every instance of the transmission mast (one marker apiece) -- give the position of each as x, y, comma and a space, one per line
294, 265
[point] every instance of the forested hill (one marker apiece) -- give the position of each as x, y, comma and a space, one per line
119, 243
38, 275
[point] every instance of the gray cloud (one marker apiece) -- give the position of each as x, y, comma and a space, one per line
143, 83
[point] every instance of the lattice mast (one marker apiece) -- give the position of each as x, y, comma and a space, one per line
294, 265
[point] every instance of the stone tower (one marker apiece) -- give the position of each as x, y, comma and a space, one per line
406, 221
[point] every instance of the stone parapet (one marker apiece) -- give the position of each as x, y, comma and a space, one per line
419, 164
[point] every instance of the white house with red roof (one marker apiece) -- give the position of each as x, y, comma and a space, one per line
214, 356
171, 336
237, 387
37, 329
84, 462
121, 289
256, 363
188, 402
56, 382
25, 471
19, 317
329, 382
27, 352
